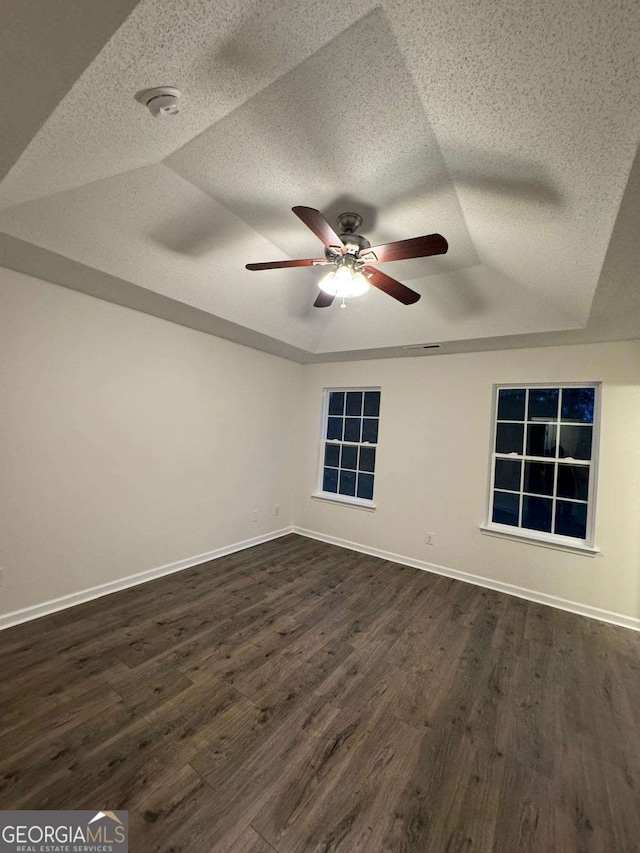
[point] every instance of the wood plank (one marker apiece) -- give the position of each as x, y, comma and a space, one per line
251, 842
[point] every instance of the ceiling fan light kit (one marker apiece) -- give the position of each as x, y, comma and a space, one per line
345, 282
351, 256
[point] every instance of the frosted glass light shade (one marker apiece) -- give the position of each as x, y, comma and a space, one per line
344, 284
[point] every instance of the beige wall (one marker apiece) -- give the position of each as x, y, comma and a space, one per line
127, 442
432, 468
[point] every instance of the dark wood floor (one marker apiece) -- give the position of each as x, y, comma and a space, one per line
300, 697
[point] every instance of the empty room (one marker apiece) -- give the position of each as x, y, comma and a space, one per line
319, 426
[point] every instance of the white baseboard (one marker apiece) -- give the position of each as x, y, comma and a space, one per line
56, 604
47, 607
510, 589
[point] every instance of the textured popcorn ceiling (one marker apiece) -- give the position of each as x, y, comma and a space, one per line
510, 128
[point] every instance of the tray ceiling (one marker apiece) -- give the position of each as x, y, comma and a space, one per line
511, 130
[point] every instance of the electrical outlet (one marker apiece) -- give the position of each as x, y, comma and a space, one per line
429, 539
254, 515
277, 511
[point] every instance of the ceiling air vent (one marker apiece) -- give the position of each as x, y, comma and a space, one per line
418, 349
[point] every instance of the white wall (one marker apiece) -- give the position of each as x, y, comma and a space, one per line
127, 442
433, 467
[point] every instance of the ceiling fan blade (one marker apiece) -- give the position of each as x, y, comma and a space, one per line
274, 265
391, 287
314, 220
416, 247
323, 300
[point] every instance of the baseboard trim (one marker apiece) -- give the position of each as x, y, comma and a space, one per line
510, 589
36, 611
26, 614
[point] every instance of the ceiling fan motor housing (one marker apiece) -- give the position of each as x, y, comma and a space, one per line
348, 224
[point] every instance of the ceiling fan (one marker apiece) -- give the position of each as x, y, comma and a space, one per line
352, 258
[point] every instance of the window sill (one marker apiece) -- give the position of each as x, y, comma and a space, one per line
356, 503
540, 540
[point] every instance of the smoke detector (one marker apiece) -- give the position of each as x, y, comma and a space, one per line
161, 102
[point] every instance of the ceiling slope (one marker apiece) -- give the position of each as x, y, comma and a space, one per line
510, 129
44, 48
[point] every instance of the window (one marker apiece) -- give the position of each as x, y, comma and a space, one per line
543, 469
349, 442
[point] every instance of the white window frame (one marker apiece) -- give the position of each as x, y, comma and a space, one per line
537, 537
334, 497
